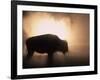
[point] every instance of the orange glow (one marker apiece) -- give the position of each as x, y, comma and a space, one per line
50, 26
43, 23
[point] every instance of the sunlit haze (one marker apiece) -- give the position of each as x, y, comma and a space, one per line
36, 24
50, 26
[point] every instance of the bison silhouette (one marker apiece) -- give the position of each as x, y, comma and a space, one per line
47, 43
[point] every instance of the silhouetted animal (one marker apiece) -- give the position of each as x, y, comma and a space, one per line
47, 43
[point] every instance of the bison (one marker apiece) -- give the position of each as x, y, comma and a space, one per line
47, 43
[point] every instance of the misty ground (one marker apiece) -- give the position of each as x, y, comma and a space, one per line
77, 56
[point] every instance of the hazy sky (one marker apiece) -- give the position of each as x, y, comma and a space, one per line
70, 26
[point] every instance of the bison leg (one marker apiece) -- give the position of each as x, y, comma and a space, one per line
50, 59
30, 54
